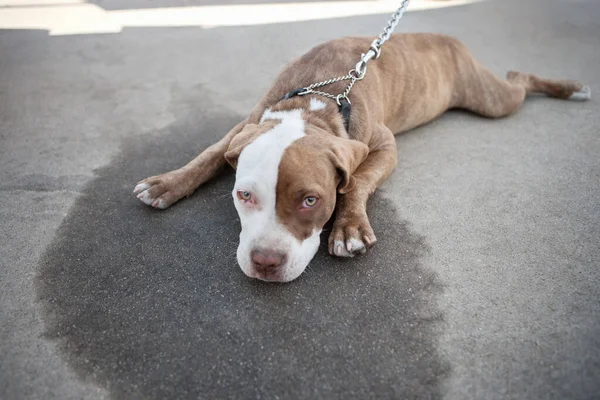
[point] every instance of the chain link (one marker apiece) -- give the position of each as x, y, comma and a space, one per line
360, 70
391, 26
351, 76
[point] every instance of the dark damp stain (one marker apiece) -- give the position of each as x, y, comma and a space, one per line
151, 304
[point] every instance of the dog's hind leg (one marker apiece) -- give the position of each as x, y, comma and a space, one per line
480, 91
161, 191
562, 89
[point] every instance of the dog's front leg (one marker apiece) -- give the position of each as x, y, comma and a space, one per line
352, 232
161, 191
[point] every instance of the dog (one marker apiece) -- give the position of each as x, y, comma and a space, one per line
296, 160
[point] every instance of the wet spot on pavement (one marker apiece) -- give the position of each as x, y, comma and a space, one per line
151, 304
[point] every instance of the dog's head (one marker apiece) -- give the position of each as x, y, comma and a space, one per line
288, 176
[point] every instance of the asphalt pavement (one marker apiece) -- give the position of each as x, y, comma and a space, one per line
484, 284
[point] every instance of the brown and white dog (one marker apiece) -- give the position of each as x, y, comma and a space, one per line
296, 162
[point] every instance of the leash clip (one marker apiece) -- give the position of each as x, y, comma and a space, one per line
361, 67
376, 48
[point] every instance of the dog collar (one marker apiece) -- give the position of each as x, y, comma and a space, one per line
344, 106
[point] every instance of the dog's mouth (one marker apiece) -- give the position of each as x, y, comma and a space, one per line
280, 275
283, 273
270, 279
268, 276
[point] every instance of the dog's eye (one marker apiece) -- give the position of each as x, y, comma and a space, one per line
310, 201
244, 195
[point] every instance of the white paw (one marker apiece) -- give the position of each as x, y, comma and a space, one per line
145, 197
142, 192
348, 249
140, 188
582, 95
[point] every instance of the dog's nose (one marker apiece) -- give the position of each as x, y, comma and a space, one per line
266, 259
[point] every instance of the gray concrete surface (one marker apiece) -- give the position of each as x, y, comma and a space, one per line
484, 285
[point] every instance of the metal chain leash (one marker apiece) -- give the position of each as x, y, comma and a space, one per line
387, 31
359, 71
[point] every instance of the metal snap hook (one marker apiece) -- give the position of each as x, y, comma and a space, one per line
360, 70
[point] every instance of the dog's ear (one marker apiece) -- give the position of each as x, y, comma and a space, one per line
347, 155
239, 142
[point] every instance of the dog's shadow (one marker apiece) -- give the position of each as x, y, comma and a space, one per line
152, 303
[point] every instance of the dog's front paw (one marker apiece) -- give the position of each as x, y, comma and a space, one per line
351, 234
162, 190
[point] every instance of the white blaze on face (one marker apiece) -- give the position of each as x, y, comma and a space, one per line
257, 171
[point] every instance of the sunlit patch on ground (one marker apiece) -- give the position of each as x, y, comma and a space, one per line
76, 17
